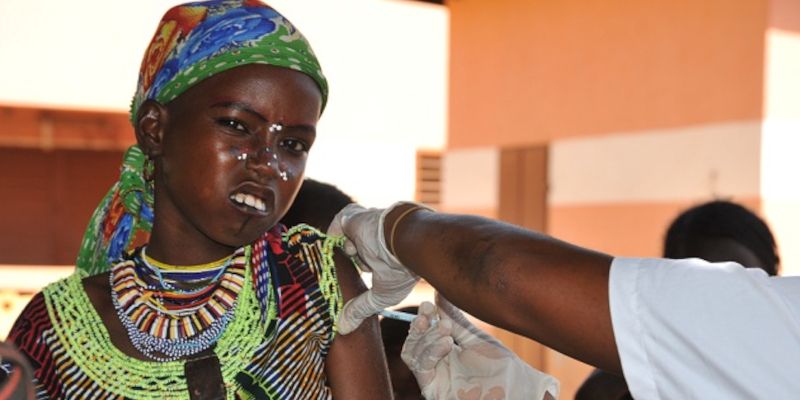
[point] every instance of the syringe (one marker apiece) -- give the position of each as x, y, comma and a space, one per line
398, 315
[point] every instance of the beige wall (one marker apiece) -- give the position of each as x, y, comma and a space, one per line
781, 165
386, 61
18, 283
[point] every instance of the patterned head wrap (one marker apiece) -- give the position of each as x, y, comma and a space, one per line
193, 41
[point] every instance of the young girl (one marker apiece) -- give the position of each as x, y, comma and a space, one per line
220, 301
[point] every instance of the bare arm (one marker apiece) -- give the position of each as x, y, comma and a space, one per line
529, 283
356, 364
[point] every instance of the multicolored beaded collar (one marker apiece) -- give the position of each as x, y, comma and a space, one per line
166, 323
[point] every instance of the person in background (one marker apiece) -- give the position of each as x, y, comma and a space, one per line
717, 231
187, 286
316, 204
720, 231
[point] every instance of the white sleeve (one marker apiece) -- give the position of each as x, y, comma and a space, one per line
688, 329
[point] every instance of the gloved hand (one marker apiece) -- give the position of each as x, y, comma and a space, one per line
454, 360
391, 281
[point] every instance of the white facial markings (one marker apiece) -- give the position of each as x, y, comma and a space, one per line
272, 157
275, 127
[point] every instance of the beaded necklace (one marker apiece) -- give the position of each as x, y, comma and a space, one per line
165, 323
192, 275
87, 342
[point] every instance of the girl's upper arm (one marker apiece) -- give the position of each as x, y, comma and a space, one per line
356, 364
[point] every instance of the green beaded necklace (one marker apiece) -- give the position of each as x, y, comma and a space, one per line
87, 343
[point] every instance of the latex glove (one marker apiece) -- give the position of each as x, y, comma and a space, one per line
391, 281
455, 360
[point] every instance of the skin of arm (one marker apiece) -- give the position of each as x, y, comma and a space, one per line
529, 283
356, 364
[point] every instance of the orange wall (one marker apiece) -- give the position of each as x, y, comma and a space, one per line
529, 71
634, 229
47, 128
48, 200
56, 166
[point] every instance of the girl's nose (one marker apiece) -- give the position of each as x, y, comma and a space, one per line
263, 156
264, 160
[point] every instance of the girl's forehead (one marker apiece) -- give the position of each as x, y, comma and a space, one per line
268, 91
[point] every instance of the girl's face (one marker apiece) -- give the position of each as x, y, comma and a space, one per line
232, 154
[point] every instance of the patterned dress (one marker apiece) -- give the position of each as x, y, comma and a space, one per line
274, 347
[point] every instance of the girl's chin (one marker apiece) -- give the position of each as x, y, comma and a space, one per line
243, 238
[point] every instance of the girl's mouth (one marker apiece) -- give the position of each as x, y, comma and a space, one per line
249, 201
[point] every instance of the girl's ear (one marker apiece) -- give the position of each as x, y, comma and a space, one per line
150, 126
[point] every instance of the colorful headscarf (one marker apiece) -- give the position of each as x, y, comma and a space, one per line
193, 41
197, 40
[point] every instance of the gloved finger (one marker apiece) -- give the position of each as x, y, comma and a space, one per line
432, 352
359, 262
422, 325
431, 312
349, 248
335, 227
464, 332
427, 309
424, 353
339, 226
356, 311
424, 348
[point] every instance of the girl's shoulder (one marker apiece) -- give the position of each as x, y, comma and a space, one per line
305, 262
312, 247
33, 317
36, 312
52, 301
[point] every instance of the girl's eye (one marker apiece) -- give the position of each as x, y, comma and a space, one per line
294, 145
233, 124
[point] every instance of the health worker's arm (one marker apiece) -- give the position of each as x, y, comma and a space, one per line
523, 281
548, 290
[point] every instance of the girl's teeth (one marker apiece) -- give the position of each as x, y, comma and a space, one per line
249, 200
